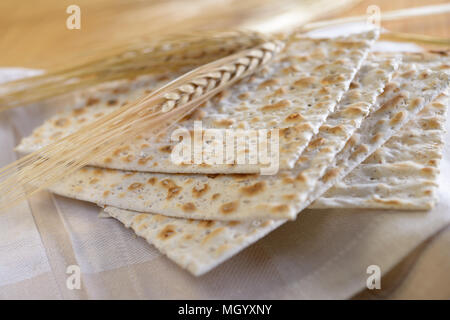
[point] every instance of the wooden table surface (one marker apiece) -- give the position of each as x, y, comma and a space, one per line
34, 32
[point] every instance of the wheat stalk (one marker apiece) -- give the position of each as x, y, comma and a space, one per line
416, 38
173, 53
385, 16
153, 113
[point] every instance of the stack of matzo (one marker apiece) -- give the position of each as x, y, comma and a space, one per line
357, 129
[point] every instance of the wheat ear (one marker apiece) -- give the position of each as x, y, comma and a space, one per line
153, 113
173, 53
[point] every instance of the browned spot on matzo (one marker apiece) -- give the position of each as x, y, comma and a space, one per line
280, 209
277, 105
91, 101
244, 96
378, 136
135, 186
268, 83
332, 79
316, 143
198, 191
172, 188
295, 117
167, 232
118, 151
188, 207
356, 109
229, 207
408, 74
301, 177
397, 118
206, 223
349, 44
427, 170
143, 161
224, 122
361, 149
128, 158
279, 92
112, 102
305, 82
387, 202
330, 174
166, 149
62, 122
79, 111
388, 89
138, 218
215, 196
414, 103
393, 102
213, 234
253, 189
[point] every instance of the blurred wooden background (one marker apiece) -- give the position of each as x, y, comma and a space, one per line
34, 33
